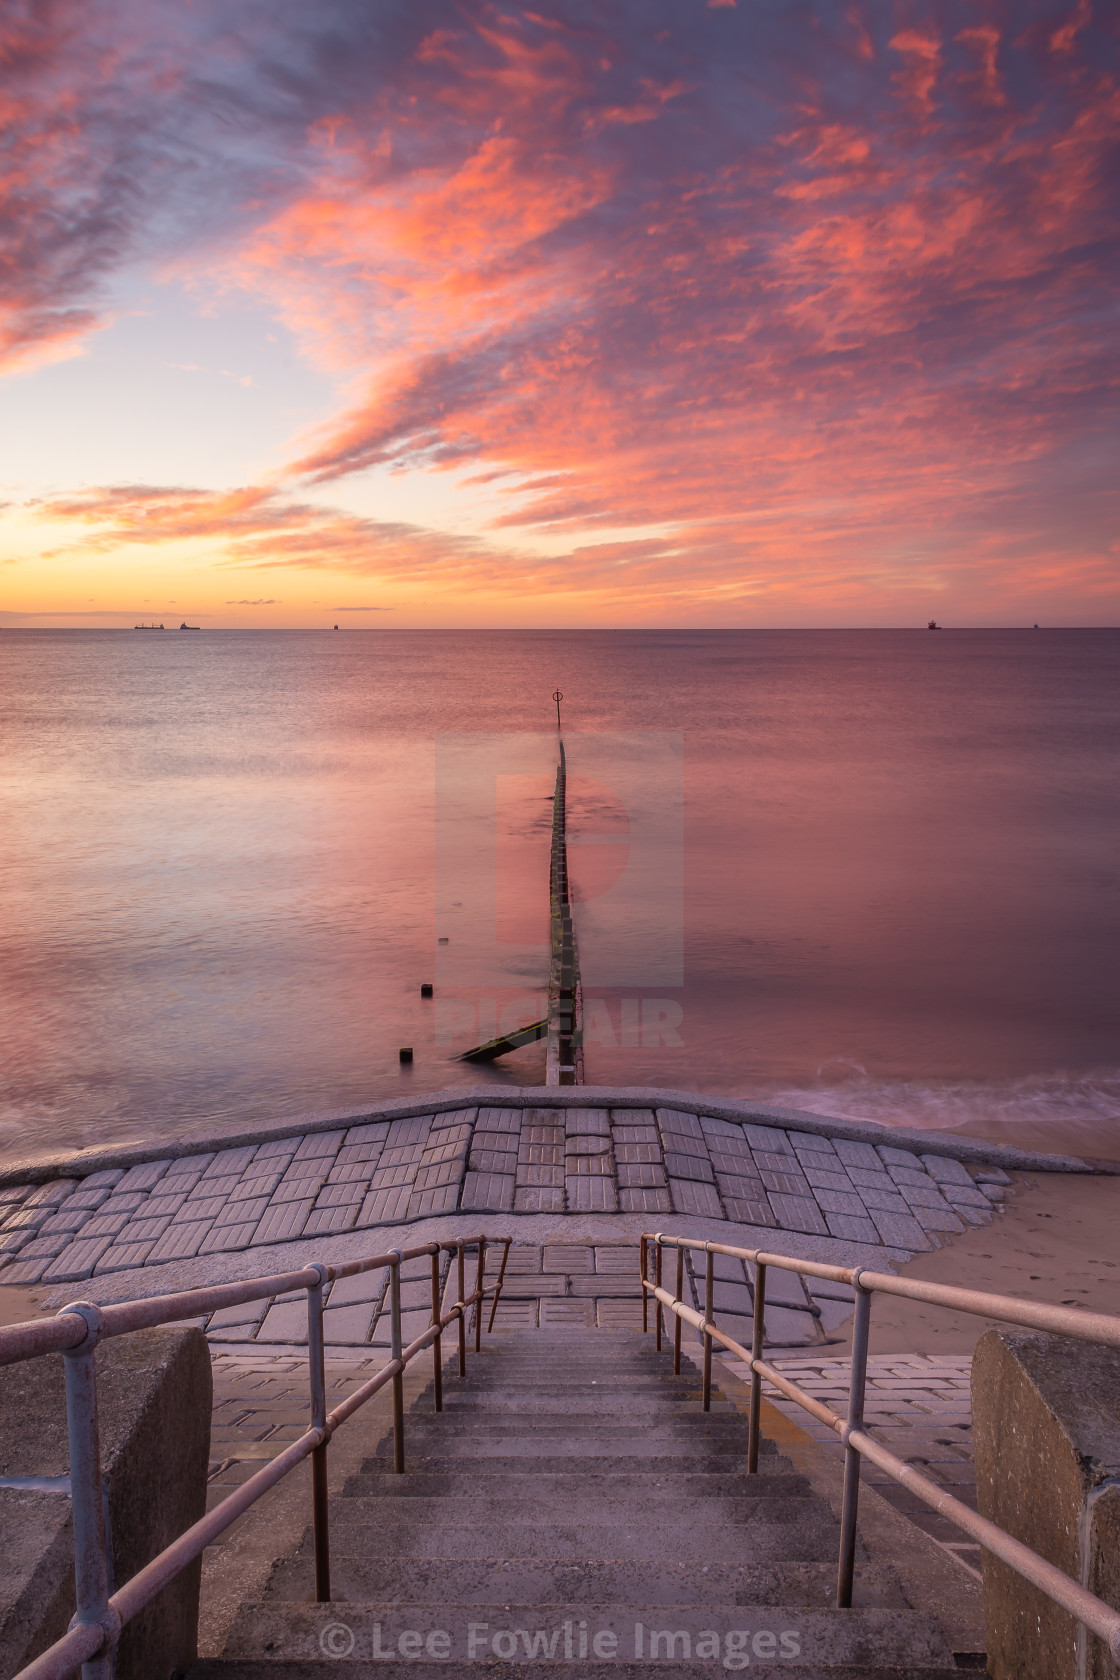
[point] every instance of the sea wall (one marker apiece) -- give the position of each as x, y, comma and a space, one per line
1046, 1423
154, 1402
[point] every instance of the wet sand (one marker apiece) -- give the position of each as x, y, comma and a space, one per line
1058, 1241
18, 1305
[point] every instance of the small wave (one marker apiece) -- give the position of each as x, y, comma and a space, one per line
1076, 1113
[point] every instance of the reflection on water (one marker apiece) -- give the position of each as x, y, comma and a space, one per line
901, 894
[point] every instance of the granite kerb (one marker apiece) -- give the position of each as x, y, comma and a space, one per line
79, 1163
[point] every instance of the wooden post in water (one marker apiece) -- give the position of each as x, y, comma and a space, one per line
563, 1025
564, 1062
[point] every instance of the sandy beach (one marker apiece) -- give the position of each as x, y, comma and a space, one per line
1051, 1243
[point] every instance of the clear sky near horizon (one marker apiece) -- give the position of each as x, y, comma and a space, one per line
614, 312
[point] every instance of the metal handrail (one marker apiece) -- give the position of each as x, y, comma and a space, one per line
75, 1333
1099, 1618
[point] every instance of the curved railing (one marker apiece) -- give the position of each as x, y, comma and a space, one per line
1090, 1611
75, 1333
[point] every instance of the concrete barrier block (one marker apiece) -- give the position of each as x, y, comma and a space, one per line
154, 1398
1046, 1427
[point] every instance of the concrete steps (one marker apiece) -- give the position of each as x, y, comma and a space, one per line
577, 1462
812, 1641
682, 1446
362, 1580
574, 1511
481, 1508
556, 1488
591, 1422
489, 1403
562, 1541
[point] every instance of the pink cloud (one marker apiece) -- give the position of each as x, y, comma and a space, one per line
823, 304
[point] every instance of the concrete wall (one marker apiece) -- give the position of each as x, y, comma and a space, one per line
1046, 1426
154, 1394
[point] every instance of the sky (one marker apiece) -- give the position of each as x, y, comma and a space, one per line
615, 312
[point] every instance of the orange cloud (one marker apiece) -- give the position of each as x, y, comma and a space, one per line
917, 81
714, 571
830, 309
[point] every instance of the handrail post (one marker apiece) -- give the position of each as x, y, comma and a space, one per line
757, 1337
498, 1285
91, 1572
709, 1290
461, 1279
480, 1273
657, 1280
643, 1268
678, 1322
316, 1364
849, 1511
437, 1344
396, 1350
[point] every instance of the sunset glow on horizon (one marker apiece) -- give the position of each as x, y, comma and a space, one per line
652, 314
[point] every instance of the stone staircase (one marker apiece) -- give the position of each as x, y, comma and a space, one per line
573, 1511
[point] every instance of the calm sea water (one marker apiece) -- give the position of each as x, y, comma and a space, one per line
226, 860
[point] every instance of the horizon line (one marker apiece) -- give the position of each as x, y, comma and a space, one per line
552, 629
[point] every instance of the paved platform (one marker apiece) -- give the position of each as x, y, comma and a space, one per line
754, 1170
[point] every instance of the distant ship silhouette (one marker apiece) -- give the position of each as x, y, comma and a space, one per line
147, 626
933, 625
190, 627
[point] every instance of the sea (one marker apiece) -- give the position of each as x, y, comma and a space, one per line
872, 874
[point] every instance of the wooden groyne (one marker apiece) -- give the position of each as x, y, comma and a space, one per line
564, 1062
562, 1026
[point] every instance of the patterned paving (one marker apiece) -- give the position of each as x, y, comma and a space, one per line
584, 1284
260, 1404
918, 1405
488, 1160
